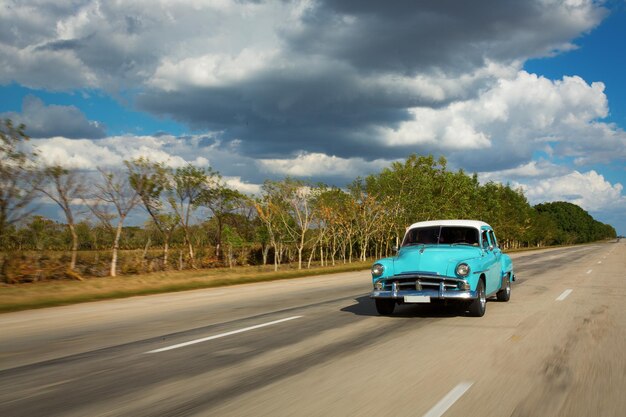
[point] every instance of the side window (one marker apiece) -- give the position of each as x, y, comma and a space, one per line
493, 239
485, 239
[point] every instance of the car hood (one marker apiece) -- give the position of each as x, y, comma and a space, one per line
439, 259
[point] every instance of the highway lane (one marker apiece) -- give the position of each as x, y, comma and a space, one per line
315, 346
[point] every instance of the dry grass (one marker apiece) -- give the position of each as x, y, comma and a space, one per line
55, 293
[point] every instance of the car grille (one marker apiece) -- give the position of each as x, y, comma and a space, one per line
408, 281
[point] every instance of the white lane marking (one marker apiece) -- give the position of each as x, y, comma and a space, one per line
564, 295
217, 336
589, 272
447, 401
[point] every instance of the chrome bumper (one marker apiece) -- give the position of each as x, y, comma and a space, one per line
433, 294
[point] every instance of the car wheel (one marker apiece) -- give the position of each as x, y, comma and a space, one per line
384, 306
505, 293
477, 307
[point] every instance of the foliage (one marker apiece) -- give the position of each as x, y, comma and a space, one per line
18, 176
572, 224
195, 220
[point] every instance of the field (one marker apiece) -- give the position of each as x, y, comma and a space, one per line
62, 292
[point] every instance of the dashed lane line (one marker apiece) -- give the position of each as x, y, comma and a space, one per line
450, 398
564, 295
217, 336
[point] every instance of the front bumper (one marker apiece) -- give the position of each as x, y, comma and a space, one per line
433, 294
439, 288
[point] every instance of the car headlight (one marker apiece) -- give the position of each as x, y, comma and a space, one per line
377, 270
462, 270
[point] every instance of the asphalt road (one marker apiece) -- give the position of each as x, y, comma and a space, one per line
315, 347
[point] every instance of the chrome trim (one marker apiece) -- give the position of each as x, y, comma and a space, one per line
437, 294
421, 275
394, 289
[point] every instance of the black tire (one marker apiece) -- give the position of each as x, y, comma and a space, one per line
478, 306
385, 307
505, 292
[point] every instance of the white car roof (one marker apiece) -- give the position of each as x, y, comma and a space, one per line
466, 223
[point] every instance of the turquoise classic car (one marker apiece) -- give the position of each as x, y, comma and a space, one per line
444, 261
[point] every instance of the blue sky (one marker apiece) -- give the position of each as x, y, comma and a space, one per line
530, 93
599, 57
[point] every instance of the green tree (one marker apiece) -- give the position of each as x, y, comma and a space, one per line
184, 193
18, 176
221, 201
151, 180
574, 224
64, 187
114, 198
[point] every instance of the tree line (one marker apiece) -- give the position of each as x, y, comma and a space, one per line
193, 219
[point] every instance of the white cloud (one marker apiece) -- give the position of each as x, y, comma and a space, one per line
77, 154
589, 190
507, 123
443, 130
110, 45
210, 70
110, 152
244, 187
534, 169
320, 165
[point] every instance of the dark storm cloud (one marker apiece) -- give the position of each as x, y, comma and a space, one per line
454, 36
280, 113
48, 121
63, 45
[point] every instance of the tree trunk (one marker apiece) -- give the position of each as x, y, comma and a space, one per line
74, 246
218, 240
192, 260
308, 265
350, 251
265, 251
321, 255
166, 246
116, 245
144, 255
363, 250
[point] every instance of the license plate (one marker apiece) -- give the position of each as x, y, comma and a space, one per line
416, 299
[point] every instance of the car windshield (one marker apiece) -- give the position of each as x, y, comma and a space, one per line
448, 235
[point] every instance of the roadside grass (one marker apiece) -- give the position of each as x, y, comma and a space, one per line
25, 296
57, 293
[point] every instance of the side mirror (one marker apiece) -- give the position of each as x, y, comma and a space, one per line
490, 248
394, 249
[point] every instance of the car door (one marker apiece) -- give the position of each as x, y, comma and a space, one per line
495, 260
